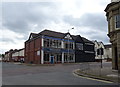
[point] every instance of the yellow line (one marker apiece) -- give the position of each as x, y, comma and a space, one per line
92, 78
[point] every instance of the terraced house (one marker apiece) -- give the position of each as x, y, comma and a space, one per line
55, 47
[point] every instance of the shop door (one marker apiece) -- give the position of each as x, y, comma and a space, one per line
52, 59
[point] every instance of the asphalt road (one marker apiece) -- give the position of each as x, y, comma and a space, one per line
59, 74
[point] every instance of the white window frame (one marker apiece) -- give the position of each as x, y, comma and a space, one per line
116, 21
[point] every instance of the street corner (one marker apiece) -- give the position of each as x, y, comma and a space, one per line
81, 74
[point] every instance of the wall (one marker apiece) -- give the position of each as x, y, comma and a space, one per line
31, 51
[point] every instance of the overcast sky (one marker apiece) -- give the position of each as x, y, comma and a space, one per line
19, 19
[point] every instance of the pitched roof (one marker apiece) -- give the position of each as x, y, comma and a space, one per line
59, 35
34, 34
52, 33
86, 40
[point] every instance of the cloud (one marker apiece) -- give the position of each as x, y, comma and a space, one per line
93, 21
19, 19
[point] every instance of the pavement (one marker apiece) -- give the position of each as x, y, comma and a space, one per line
94, 70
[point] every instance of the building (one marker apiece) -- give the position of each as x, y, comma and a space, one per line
55, 47
14, 55
99, 45
8, 56
107, 51
17, 55
113, 17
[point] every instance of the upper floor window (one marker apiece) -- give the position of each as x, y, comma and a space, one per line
79, 46
68, 45
52, 43
117, 21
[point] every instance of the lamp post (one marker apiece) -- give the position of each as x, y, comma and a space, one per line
68, 44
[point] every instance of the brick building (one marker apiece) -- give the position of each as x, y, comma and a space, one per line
14, 55
17, 55
55, 47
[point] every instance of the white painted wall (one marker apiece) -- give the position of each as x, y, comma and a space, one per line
18, 53
15, 54
21, 53
107, 51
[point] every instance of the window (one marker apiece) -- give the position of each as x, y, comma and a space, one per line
117, 21
68, 45
48, 42
59, 44
59, 57
52, 43
46, 57
65, 57
79, 46
38, 52
68, 57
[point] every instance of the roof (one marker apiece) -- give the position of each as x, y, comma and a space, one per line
59, 35
86, 40
53, 33
34, 34
111, 4
107, 46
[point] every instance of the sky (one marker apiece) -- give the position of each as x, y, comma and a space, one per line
19, 18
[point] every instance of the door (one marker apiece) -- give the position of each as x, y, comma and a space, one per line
52, 59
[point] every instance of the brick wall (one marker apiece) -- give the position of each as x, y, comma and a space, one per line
31, 49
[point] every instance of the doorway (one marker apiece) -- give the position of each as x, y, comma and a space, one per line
116, 59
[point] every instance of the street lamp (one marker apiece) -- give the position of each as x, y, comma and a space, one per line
68, 44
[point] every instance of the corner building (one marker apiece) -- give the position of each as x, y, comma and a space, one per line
113, 17
54, 47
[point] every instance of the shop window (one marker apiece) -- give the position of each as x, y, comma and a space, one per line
46, 57
59, 57
65, 57
71, 57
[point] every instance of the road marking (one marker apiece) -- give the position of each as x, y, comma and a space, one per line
92, 78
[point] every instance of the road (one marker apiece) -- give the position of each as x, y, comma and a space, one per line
59, 74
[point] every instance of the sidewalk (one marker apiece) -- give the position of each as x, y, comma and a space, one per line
94, 70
